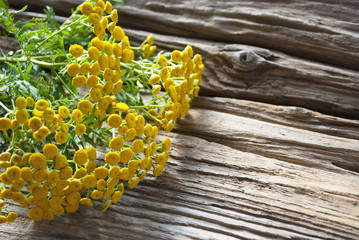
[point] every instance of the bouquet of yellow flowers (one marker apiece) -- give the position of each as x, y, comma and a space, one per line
72, 88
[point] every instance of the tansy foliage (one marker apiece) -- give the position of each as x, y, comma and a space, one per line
73, 88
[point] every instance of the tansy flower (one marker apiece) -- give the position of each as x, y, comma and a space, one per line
122, 130
11, 217
73, 69
108, 74
50, 151
117, 88
40, 175
118, 33
21, 116
156, 89
81, 172
92, 81
76, 115
137, 146
108, 7
114, 172
13, 172
131, 134
21, 103
85, 68
37, 160
98, 29
89, 181
86, 8
95, 94
126, 155
60, 137
112, 158
76, 50
130, 120
43, 131
86, 202
114, 120
108, 47
114, 16
158, 170
90, 166
117, 49
133, 182
94, 53
66, 172
35, 214
103, 61
80, 157
91, 153
116, 143
80, 129
101, 184
101, 172
122, 106
41, 105
95, 195
111, 27
78, 81
35, 123
108, 193
162, 61
5, 124
94, 18
84, 106
30, 101
176, 56
49, 114
155, 79
64, 112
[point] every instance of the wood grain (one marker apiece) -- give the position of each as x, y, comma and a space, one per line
271, 148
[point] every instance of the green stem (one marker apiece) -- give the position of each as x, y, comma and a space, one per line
8, 110
61, 29
25, 59
67, 87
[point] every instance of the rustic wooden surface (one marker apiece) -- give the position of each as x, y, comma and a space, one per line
270, 148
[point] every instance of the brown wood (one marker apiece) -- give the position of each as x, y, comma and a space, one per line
271, 148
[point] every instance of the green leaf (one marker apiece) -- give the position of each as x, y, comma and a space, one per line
4, 4
89, 140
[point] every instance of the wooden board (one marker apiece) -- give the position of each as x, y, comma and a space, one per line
270, 149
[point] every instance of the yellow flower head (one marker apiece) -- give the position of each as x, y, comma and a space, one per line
13, 172
95, 94
35, 214
114, 16
60, 161
21, 116
162, 61
43, 131
91, 153
114, 120
122, 106
61, 137
76, 50
176, 56
108, 74
155, 79
37, 160
94, 18
86, 202
41, 105
84, 106
89, 181
92, 81
86, 8
50, 151
95, 195
131, 134
103, 61
137, 146
101, 172
118, 33
116, 143
85, 68
126, 155
133, 182
49, 114
78, 81
64, 112
158, 170
77, 115
94, 53
117, 49
21, 103
80, 157
5, 124
73, 69
30, 101
156, 89
80, 129
112, 158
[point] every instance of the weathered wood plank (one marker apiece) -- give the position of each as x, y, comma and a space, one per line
309, 29
211, 191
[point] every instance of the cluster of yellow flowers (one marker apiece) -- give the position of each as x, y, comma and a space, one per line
58, 178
